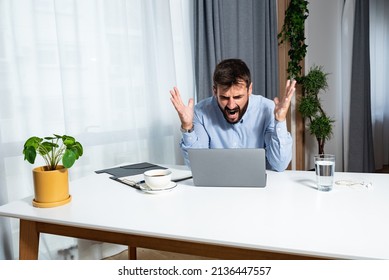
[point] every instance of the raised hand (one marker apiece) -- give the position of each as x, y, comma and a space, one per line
185, 113
282, 106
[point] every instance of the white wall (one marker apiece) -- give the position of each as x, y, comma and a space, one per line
323, 37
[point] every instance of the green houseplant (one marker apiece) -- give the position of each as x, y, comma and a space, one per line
293, 32
53, 150
320, 125
51, 184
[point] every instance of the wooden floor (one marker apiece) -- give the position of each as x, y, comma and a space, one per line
148, 254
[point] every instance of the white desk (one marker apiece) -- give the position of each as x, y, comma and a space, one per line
287, 219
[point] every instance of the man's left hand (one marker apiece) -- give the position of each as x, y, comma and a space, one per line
282, 106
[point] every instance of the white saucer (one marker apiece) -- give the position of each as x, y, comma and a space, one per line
147, 189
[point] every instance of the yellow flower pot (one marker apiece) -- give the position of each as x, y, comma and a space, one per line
51, 187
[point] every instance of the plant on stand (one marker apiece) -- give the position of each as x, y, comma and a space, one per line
309, 107
320, 125
292, 36
51, 185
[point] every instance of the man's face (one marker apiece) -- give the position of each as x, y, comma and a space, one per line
233, 101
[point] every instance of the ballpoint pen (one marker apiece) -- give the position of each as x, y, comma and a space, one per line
136, 185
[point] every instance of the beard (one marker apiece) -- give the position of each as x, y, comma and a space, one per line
233, 115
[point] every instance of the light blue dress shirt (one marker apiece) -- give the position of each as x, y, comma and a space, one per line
257, 129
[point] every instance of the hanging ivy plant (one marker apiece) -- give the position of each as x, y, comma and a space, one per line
293, 32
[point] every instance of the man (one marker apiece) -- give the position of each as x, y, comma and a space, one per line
234, 118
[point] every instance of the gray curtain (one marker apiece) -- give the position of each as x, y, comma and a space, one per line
245, 29
361, 150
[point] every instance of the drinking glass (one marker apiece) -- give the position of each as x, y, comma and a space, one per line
324, 168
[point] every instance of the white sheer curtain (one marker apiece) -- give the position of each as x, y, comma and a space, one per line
99, 70
379, 57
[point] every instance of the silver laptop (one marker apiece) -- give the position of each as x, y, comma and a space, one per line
228, 167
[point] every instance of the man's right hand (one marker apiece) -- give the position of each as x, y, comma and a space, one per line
185, 113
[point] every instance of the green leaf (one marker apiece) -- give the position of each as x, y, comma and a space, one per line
69, 158
68, 140
80, 149
33, 142
29, 154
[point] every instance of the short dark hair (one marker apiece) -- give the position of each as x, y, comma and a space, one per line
231, 72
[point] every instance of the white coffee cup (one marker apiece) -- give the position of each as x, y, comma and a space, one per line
157, 178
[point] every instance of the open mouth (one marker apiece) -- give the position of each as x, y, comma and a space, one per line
232, 115
232, 111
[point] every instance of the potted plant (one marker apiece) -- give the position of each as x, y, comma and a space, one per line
51, 184
320, 125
